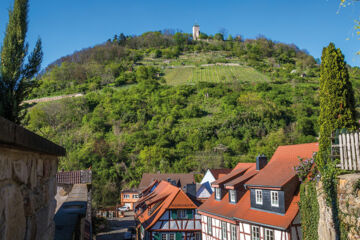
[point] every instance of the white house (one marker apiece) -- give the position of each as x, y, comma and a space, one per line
210, 176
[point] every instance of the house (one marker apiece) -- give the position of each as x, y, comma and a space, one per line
257, 200
205, 190
128, 198
178, 179
167, 212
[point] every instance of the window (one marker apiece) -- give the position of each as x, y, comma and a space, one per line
218, 193
223, 231
233, 232
233, 196
181, 214
255, 233
209, 225
126, 196
258, 196
198, 236
135, 196
163, 236
269, 234
274, 199
172, 236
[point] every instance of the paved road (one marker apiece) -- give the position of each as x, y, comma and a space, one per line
118, 227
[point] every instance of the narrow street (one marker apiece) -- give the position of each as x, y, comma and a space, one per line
118, 227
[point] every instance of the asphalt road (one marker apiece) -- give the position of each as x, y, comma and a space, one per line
118, 227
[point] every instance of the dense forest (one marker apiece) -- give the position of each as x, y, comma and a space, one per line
133, 118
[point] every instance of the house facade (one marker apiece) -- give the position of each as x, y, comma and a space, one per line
205, 190
257, 201
128, 198
167, 213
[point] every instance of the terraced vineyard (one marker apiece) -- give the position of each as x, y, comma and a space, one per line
189, 75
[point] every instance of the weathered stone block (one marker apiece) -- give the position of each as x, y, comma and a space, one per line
5, 166
40, 167
13, 214
21, 170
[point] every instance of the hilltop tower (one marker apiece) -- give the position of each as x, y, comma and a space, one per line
196, 32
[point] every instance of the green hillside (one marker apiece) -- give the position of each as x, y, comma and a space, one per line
165, 103
216, 74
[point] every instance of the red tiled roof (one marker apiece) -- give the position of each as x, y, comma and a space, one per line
181, 178
219, 172
167, 196
246, 213
280, 168
240, 169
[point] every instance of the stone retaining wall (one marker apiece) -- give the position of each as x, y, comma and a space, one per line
27, 184
349, 204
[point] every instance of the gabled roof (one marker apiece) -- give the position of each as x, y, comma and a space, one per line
239, 170
280, 168
182, 179
165, 196
219, 172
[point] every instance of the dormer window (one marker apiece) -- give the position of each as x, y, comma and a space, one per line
274, 199
258, 197
218, 193
232, 196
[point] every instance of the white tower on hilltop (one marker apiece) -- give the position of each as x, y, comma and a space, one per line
196, 32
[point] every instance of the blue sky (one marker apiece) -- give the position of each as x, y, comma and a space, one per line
69, 25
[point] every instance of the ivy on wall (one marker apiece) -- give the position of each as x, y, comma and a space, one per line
309, 210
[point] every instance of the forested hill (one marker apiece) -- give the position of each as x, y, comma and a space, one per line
162, 102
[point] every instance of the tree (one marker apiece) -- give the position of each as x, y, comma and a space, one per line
16, 75
219, 37
337, 104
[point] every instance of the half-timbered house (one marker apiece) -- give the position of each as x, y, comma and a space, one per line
166, 212
259, 201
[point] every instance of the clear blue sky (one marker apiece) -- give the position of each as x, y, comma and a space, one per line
69, 25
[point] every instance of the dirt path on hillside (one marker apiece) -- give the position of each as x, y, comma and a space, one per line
49, 99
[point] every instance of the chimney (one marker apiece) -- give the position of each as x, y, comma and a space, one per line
191, 189
261, 162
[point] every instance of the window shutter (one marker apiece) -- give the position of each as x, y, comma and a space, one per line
190, 214
178, 236
157, 236
174, 214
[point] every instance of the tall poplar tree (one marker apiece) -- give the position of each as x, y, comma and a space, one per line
337, 104
17, 74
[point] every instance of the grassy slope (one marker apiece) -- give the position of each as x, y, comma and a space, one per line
177, 76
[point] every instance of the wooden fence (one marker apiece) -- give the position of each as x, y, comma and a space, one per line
347, 147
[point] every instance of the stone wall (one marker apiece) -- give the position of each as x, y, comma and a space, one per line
27, 184
326, 227
349, 204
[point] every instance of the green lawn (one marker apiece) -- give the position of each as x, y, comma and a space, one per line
229, 74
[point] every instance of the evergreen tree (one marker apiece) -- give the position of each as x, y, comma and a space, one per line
16, 74
337, 104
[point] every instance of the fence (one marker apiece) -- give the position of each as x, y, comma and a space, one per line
74, 177
347, 148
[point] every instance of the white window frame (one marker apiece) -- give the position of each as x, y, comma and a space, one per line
233, 232
162, 236
198, 236
232, 194
209, 225
126, 196
217, 193
135, 196
181, 214
274, 198
224, 230
171, 236
269, 234
255, 232
258, 196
